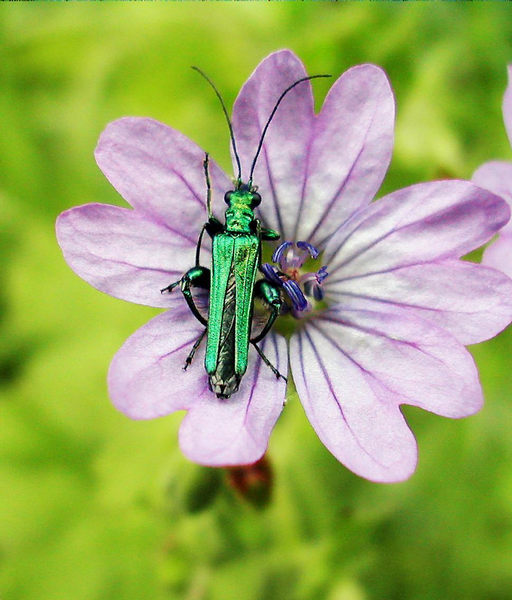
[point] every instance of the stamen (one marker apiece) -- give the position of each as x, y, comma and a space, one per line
278, 252
295, 293
318, 293
321, 274
270, 273
299, 286
313, 252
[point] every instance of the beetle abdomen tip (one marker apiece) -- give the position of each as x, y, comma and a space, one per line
223, 388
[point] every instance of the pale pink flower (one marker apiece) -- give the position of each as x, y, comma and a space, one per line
380, 321
497, 177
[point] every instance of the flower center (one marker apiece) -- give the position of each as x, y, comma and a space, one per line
302, 288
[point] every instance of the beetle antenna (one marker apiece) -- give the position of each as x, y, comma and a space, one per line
272, 116
227, 119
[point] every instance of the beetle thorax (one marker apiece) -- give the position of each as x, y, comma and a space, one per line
239, 214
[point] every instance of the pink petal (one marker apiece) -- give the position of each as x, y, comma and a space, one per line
283, 160
353, 369
507, 105
499, 254
314, 172
124, 253
159, 171
470, 301
496, 176
349, 154
415, 225
146, 377
235, 431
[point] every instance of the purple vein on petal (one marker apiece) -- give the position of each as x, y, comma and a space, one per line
275, 200
253, 388
370, 331
340, 349
166, 272
377, 333
176, 232
305, 177
376, 241
163, 165
400, 227
73, 225
398, 303
332, 280
177, 349
368, 374
329, 384
257, 368
335, 198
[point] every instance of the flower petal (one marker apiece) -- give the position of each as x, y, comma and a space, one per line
418, 224
470, 301
507, 105
235, 431
159, 171
283, 160
123, 252
146, 377
496, 176
353, 369
313, 173
349, 154
499, 254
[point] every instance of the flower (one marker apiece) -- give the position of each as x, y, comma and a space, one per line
379, 320
497, 177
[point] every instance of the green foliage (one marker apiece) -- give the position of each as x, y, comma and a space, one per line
96, 507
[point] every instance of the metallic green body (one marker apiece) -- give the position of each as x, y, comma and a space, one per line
235, 262
236, 258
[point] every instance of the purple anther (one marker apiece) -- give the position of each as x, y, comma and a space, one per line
295, 293
318, 293
278, 252
271, 274
312, 283
321, 274
313, 252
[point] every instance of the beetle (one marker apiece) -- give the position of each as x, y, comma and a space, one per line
232, 280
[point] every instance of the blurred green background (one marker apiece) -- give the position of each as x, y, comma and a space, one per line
94, 506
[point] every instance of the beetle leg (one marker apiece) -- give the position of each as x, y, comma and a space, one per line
263, 233
198, 277
198, 246
270, 295
190, 357
170, 287
212, 227
268, 363
269, 234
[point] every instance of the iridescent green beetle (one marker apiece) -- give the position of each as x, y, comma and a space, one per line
236, 259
